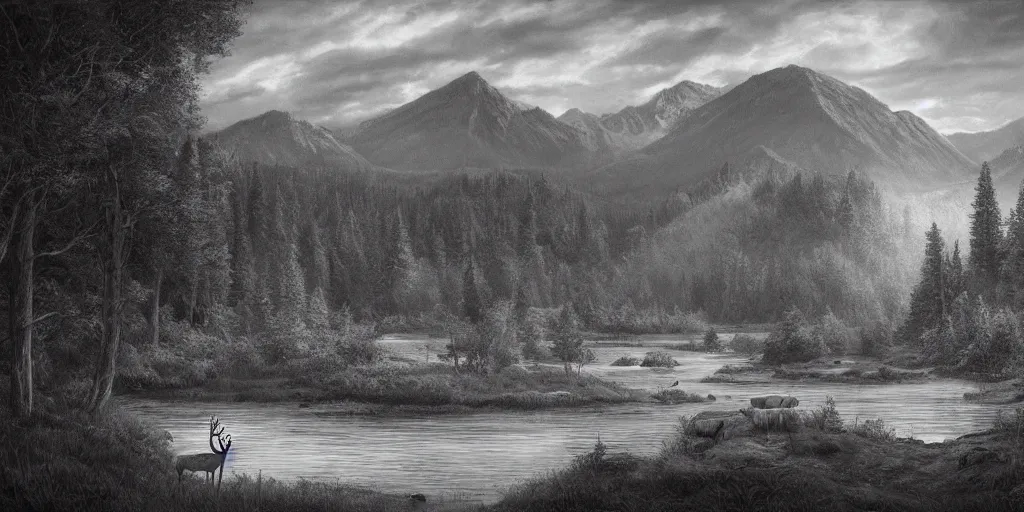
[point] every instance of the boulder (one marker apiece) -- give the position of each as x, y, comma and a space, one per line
706, 428
711, 397
773, 402
774, 420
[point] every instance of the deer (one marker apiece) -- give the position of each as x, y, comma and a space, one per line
207, 462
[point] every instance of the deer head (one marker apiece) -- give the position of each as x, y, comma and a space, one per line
216, 431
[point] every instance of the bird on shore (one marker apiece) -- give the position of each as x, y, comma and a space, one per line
674, 384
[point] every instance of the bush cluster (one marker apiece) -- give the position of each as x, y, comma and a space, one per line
795, 340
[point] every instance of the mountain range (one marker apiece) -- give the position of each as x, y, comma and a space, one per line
807, 119
982, 146
468, 123
277, 138
637, 126
792, 117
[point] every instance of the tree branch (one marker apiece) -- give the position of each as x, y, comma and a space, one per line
44, 317
14, 28
74, 241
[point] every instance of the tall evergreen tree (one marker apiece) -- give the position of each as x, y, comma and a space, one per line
986, 231
1012, 271
471, 306
955, 281
928, 301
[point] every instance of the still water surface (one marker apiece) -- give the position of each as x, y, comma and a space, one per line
476, 456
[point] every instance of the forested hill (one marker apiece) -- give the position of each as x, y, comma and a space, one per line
776, 240
285, 246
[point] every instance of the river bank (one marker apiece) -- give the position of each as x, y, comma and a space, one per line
850, 369
417, 388
62, 459
1005, 392
811, 463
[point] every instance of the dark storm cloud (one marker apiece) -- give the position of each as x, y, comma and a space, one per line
956, 64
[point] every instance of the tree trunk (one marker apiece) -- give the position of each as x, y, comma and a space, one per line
153, 318
112, 254
20, 313
192, 298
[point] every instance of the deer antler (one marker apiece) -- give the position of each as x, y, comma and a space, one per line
224, 447
215, 432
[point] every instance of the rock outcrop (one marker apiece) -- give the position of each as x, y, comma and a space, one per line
774, 402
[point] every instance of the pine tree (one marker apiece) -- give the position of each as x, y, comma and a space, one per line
1012, 271
986, 232
955, 282
844, 213
928, 302
567, 340
471, 306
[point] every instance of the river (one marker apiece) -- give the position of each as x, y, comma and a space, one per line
475, 456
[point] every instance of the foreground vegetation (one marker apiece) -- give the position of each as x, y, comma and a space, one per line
64, 459
807, 460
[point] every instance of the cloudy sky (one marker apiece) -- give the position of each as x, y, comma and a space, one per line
959, 65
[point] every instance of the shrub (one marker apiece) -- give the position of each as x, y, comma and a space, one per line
658, 359
1011, 424
531, 333
711, 341
888, 374
833, 334
746, 344
593, 459
876, 340
626, 361
792, 341
568, 341
875, 429
730, 369
677, 396
826, 417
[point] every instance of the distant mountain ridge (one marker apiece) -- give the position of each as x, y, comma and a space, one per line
983, 146
634, 127
468, 123
277, 138
805, 118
